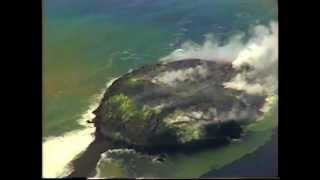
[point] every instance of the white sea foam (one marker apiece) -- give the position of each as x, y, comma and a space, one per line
58, 152
104, 157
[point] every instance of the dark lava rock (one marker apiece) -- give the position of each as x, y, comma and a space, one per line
175, 104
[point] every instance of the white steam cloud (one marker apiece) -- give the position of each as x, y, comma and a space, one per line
171, 78
255, 58
260, 53
210, 50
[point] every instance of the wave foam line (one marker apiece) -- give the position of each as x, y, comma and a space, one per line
58, 152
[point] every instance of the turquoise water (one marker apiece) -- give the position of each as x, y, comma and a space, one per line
88, 42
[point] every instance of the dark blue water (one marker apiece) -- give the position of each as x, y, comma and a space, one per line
262, 163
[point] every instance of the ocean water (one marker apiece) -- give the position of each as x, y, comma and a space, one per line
87, 43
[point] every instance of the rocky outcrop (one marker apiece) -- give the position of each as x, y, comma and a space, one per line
173, 104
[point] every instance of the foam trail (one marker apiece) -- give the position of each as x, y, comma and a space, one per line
58, 152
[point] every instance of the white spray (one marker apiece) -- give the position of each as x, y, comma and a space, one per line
58, 152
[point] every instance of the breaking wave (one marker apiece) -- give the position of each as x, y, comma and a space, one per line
58, 152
